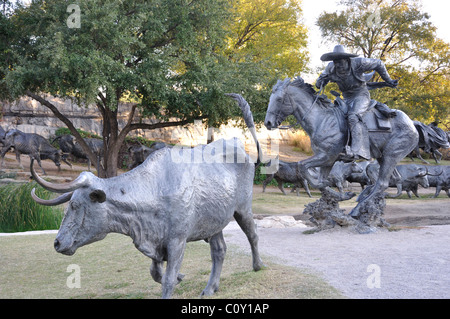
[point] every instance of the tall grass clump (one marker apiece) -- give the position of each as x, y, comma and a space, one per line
301, 142
19, 212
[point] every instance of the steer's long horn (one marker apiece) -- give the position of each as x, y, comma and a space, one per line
80, 181
442, 171
53, 202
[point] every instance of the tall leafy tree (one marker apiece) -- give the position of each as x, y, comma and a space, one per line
7, 32
172, 59
164, 55
269, 34
270, 31
400, 33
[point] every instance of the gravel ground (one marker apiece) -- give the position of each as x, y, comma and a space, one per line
405, 264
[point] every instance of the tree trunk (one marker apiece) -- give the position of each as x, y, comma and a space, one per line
111, 161
110, 142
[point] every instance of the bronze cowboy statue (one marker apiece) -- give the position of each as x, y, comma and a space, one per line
350, 73
388, 140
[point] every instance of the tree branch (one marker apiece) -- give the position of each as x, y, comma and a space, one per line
145, 126
102, 98
131, 115
430, 74
67, 122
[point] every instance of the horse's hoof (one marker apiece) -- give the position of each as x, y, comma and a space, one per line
348, 195
354, 213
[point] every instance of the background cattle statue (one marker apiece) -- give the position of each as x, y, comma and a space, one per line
33, 145
139, 153
287, 173
69, 145
406, 177
440, 179
361, 177
340, 172
2, 136
431, 139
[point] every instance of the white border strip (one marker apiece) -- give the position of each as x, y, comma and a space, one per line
36, 232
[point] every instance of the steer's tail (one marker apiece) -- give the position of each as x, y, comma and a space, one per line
248, 118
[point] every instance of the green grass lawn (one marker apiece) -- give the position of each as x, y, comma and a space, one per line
113, 268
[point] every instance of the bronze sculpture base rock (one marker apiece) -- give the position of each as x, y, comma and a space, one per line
326, 214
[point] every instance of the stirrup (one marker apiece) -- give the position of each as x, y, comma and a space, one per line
348, 158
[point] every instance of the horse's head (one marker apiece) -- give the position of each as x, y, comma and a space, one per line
279, 107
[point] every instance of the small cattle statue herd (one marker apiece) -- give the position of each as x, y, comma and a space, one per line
34, 145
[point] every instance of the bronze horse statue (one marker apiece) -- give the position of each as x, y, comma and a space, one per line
327, 127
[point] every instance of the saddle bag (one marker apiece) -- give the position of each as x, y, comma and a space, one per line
377, 119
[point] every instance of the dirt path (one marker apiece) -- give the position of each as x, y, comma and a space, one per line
411, 263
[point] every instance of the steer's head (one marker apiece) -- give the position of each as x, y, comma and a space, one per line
85, 220
421, 176
56, 157
356, 168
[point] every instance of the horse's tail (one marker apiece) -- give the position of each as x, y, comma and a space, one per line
432, 135
248, 118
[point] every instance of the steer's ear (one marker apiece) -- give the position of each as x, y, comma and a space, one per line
97, 196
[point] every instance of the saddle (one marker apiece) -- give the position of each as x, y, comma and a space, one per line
376, 118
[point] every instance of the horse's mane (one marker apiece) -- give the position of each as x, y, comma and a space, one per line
308, 88
300, 83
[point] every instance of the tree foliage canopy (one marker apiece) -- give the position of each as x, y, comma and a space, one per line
172, 59
400, 33
269, 31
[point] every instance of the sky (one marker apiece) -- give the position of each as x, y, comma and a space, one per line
437, 9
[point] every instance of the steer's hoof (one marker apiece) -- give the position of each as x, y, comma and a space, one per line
259, 266
208, 291
180, 278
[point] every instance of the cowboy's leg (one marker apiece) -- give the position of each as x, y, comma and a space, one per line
360, 137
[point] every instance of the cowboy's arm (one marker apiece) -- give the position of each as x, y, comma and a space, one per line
323, 79
367, 65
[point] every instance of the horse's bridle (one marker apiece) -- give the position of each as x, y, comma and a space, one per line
277, 114
314, 103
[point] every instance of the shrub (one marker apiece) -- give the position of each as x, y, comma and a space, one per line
301, 141
84, 134
19, 212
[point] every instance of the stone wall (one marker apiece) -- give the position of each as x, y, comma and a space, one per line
30, 116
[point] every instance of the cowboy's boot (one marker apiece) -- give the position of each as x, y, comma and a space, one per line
360, 148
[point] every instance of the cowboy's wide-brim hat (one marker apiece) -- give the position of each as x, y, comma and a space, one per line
337, 54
